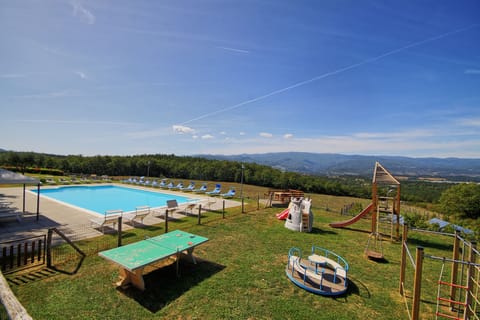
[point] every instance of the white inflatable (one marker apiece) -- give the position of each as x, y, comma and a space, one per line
300, 216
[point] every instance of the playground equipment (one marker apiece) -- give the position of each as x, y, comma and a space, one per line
281, 197
323, 272
383, 203
462, 300
300, 216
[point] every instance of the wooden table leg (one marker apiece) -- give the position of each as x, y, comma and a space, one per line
135, 278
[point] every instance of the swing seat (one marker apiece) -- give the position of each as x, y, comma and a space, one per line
374, 255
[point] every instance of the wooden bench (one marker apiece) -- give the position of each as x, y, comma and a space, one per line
110, 217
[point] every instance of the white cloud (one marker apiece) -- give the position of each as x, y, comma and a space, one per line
179, 129
207, 137
81, 74
11, 75
242, 133
223, 133
472, 71
266, 135
81, 12
288, 135
475, 122
195, 136
234, 50
395, 135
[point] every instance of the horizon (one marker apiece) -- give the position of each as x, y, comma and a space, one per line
242, 154
231, 78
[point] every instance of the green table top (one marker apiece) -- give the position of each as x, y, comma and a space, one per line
142, 253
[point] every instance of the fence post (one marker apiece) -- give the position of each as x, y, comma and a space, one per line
403, 258
49, 248
223, 209
166, 220
417, 283
119, 241
453, 278
258, 202
243, 206
199, 214
470, 274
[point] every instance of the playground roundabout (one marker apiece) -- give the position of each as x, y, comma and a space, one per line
322, 272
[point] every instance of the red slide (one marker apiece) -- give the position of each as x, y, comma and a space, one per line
284, 214
342, 224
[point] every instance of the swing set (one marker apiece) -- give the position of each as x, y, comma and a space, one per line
383, 184
458, 297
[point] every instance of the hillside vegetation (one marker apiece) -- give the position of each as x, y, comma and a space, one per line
196, 168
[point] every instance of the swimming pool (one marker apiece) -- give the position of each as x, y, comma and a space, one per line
103, 198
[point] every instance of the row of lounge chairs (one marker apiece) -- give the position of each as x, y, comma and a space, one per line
110, 218
180, 187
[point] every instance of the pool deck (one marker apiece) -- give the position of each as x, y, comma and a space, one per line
72, 219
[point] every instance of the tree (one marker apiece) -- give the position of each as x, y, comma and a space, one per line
462, 200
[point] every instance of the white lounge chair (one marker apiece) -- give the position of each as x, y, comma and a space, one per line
229, 194
202, 189
110, 217
139, 213
8, 213
216, 191
189, 188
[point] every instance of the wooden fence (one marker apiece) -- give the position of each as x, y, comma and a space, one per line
22, 253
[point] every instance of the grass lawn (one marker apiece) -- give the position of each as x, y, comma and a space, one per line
241, 275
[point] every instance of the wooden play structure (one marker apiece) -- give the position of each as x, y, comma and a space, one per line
281, 197
385, 206
458, 291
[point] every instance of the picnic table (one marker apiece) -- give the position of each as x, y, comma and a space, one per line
134, 257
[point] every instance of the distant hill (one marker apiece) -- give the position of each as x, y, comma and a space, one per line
339, 164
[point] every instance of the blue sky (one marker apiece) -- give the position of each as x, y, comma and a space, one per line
230, 77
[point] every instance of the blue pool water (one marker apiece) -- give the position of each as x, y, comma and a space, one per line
103, 198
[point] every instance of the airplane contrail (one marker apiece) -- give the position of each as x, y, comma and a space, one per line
331, 73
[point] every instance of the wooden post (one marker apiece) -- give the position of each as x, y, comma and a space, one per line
223, 209
13, 307
49, 248
397, 209
258, 202
470, 274
199, 214
403, 259
119, 241
243, 206
453, 277
375, 205
166, 220
23, 198
417, 283
38, 201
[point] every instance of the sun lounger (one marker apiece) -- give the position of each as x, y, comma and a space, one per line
216, 191
162, 184
139, 214
179, 186
202, 189
8, 213
229, 194
189, 188
110, 217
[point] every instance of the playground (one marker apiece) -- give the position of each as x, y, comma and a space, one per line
241, 273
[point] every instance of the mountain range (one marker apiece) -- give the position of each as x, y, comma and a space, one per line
330, 164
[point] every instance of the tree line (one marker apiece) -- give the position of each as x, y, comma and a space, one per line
196, 168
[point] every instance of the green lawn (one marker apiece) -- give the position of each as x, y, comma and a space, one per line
241, 275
